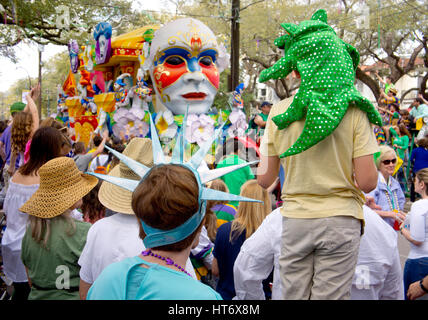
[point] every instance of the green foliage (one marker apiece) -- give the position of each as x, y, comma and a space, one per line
48, 21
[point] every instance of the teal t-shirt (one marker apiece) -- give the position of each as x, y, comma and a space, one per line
235, 179
127, 280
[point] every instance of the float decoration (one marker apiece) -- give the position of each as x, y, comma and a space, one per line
237, 117
73, 52
137, 77
102, 36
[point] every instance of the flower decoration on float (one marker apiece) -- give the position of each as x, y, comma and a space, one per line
327, 67
124, 118
156, 237
166, 126
199, 128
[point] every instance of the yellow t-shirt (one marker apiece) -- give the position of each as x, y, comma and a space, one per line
319, 181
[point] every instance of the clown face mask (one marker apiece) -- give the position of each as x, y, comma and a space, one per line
102, 35
183, 66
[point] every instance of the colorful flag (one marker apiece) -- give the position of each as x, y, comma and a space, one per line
69, 87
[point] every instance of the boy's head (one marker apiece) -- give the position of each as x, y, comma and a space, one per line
79, 147
178, 203
404, 114
418, 102
265, 107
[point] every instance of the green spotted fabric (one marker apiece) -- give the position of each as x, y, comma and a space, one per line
327, 68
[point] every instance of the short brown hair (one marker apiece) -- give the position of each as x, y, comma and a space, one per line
423, 176
423, 142
79, 147
165, 199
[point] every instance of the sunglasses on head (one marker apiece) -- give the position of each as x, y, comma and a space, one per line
386, 162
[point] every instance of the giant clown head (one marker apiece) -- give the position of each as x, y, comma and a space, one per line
185, 62
102, 35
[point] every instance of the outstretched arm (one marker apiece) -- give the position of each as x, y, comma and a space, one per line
101, 146
32, 108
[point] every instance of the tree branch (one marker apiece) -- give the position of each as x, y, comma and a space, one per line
367, 80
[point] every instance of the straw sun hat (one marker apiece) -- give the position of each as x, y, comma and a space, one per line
61, 186
116, 198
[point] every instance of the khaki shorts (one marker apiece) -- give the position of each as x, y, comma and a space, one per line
318, 257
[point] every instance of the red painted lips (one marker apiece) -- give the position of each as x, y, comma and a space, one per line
194, 96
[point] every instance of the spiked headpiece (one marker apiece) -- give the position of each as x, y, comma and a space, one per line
157, 237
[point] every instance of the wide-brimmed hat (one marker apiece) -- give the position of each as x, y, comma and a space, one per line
61, 186
393, 90
116, 198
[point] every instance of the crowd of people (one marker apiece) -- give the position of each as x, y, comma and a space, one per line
59, 216
116, 220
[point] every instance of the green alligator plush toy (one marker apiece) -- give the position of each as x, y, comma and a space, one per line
327, 68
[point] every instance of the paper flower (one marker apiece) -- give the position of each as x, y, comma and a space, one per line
199, 129
124, 117
239, 123
165, 125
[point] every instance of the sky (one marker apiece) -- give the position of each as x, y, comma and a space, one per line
27, 53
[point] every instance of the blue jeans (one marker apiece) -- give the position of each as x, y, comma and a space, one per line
414, 270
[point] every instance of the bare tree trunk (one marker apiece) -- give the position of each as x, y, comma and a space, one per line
423, 88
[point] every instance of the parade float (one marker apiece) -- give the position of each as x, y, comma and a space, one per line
151, 71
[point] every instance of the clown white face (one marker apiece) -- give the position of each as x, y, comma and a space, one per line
183, 68
102, 42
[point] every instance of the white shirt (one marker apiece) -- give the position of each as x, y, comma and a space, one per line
16, 225
109, 240
259, 254
378, 255
418, 221
378, 275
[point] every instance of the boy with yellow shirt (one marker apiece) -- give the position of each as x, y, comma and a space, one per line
324, 148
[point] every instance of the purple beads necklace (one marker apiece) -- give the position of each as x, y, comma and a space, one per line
168, 261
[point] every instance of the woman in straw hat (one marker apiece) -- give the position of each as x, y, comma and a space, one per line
53, 240
116, 237
46, 146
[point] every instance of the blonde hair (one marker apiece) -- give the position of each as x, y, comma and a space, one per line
385, 152
423, 176
41, 227
210, 216
250, 215
21, 130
